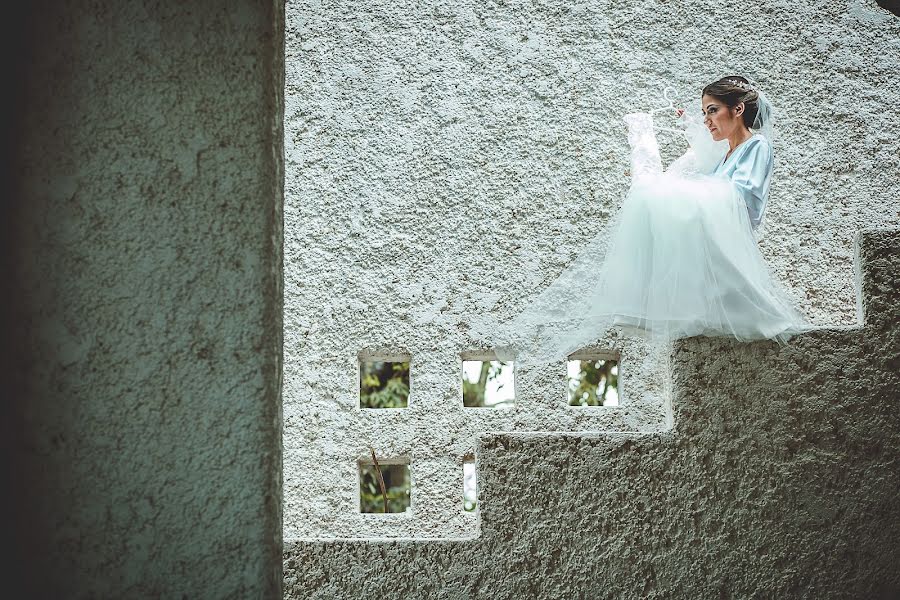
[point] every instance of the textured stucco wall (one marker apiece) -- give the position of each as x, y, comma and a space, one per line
444, 161
778, 480
143, 243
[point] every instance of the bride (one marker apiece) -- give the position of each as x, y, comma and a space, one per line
680, 258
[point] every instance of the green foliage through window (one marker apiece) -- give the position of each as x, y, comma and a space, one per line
396, 483
383, 384
593, 382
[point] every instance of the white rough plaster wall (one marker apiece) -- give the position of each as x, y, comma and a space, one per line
444, 162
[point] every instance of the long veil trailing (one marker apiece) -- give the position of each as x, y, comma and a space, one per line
678, 259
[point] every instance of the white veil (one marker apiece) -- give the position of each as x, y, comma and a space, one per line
554, 322
763, 123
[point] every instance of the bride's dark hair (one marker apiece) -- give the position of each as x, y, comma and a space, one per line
732, 90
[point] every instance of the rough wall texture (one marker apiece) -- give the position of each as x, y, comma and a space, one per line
779, 480
144, 238
444, 161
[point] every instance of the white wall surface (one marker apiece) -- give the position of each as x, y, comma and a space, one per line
445, 160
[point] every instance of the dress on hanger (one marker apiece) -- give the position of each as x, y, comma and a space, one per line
679, 259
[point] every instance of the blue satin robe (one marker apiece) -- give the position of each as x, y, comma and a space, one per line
750, 169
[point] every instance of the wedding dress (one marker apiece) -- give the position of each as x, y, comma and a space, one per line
679, 259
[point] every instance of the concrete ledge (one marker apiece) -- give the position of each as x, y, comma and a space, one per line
778, 480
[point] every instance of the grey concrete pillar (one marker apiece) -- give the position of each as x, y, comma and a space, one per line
142, 247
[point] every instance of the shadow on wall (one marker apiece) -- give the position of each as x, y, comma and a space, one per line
17, 51
141, 313
891, 5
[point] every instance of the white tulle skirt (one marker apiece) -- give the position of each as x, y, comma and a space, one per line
679, 259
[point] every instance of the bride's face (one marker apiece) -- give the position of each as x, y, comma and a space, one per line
721, 120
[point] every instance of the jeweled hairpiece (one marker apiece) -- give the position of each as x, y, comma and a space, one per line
742, 85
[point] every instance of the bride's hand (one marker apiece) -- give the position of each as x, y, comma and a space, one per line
679, 111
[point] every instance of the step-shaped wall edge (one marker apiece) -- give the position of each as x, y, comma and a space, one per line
779, 474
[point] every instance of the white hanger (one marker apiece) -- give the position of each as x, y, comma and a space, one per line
671, 107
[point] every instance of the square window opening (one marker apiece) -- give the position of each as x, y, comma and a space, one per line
394, 497
487, 382
384, 381
593, 379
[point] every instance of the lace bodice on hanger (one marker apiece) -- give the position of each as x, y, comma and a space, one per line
701, 157
645, 158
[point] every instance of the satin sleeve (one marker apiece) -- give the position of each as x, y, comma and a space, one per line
751, 177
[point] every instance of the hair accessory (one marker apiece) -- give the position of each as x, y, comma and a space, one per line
742, 85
